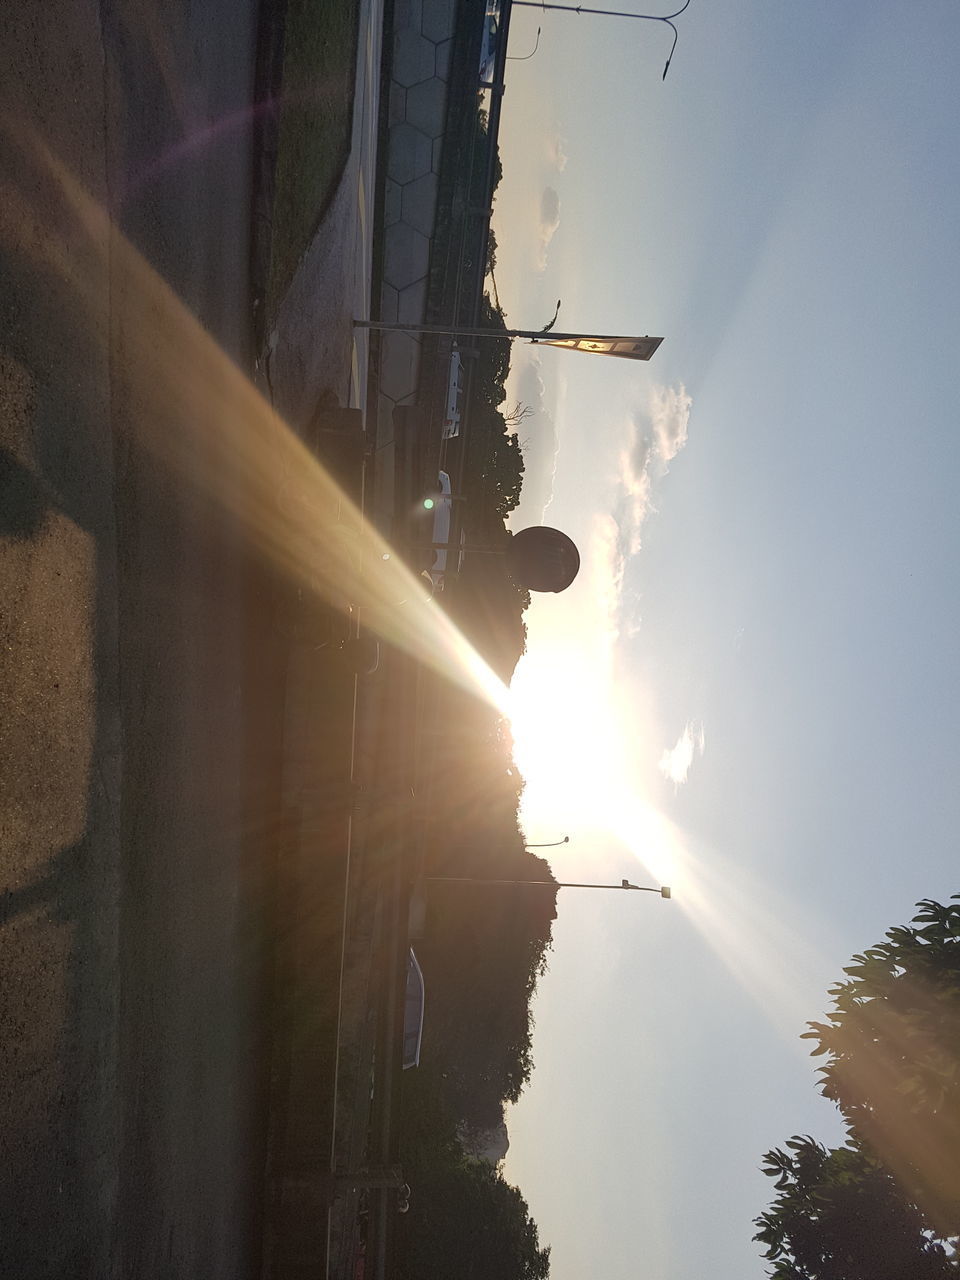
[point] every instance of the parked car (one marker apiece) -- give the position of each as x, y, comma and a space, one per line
442, 520
451, 415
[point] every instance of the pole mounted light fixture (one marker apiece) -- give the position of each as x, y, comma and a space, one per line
614, 13
664, 890
604, 344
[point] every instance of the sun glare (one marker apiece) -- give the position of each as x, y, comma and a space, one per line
571, 750
775, 954
570, 745
205, 422
565, 741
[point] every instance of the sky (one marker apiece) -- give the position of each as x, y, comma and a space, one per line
751, 692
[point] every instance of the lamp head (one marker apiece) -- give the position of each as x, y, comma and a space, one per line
665, 892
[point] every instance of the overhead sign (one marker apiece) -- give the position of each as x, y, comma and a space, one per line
625, 348
488, 45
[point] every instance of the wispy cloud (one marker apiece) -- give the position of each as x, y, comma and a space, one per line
675, 762
669, 415
556, 154
606, 560
549, 221
653, 438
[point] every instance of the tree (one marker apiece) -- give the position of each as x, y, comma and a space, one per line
466, 1221
840, 1215
893, 1057
483, 953
506, 473
519, 413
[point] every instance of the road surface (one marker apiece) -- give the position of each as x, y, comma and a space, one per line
135, 687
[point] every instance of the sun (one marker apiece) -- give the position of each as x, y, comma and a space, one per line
578, 755
566, 742
589, 775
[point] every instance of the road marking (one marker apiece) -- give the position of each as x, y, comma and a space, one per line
355, 377
362, 277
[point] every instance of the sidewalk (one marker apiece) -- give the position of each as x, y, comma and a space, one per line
311, 348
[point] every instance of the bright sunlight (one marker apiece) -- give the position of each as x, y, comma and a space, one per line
237, 452
570, 749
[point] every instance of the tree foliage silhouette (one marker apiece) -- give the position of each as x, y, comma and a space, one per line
892, 1046
887, 1205
840, 1215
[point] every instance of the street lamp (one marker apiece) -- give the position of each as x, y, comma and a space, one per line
614, 13
663, 890
527, 56
551, 844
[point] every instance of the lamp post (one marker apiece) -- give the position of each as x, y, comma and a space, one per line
614, 13
550, 844
663, 890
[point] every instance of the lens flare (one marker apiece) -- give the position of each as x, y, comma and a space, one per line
205, 422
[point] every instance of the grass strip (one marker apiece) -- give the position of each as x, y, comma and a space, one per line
316, 117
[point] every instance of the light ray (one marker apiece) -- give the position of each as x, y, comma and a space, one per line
776, 952
205, 422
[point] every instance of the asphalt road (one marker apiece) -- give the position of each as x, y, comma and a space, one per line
138, 734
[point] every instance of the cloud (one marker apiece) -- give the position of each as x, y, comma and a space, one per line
675, 763
549, 221
654, 437
607, 565
556, 154
669, 414
550, 207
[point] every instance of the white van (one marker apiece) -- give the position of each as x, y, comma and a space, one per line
451, 415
